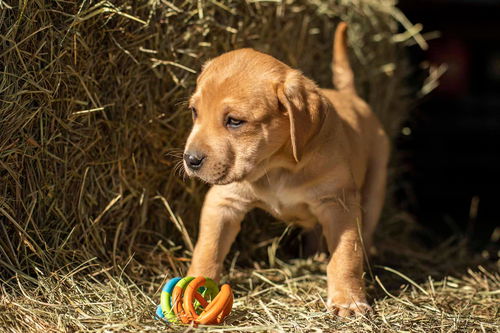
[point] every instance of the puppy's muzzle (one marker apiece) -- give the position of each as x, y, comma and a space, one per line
194, 160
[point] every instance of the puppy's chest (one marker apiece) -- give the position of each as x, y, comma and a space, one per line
285, 202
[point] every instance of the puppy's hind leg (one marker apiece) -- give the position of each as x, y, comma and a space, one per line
339, 219
373, 192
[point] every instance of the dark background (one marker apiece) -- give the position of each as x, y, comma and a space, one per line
451, 148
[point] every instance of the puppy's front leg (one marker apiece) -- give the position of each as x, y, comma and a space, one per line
220, 221
339, 217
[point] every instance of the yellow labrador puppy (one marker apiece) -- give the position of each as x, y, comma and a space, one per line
266, 136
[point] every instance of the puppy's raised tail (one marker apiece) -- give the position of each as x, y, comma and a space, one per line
343, 78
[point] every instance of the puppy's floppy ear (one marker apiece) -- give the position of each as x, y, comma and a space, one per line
302, 102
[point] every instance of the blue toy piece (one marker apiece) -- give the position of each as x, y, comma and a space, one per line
164, 310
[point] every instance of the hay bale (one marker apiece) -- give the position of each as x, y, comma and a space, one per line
93, 117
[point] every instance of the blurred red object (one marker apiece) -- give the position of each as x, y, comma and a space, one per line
455, 54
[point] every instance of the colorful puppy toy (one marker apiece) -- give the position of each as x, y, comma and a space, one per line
188, 299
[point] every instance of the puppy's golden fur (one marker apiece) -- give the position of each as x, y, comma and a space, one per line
306, 155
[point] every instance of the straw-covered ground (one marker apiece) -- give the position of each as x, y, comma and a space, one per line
412, 289
94, 216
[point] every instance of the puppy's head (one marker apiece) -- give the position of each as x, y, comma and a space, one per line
247, 106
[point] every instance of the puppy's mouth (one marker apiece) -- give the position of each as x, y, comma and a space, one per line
227, 179
220, 174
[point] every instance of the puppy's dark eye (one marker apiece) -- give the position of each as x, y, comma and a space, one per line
193, 112
234, 123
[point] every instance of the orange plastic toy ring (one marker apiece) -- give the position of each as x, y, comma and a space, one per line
187, 291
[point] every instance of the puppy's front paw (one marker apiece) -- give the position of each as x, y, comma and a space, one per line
345, 304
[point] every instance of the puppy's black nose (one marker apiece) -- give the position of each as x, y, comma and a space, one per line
194, 161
